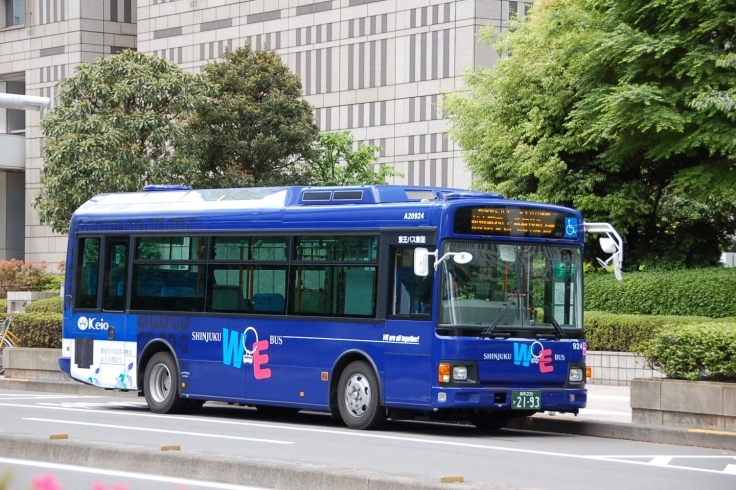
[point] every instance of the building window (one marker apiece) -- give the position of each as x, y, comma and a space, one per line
15, 12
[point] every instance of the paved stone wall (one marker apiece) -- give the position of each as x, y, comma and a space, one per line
617, 368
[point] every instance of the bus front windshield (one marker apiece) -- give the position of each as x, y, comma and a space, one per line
509, 288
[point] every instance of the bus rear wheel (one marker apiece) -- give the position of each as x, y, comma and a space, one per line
161, 386
358, 398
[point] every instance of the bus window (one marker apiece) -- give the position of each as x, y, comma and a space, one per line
334, 291
116, 274
337, 248
247, 288
236, 248
345, 288
166, 276
170, 248
88, 271
412, 294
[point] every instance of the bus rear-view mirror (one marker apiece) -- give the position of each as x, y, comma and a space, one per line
421, 262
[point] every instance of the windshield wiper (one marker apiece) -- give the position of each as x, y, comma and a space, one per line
547, 314
490, 328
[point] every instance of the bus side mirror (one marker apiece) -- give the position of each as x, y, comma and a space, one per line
421, 262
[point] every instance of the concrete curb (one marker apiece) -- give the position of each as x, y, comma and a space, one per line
611, 430
224, 468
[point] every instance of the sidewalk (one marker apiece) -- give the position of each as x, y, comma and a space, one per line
607, 415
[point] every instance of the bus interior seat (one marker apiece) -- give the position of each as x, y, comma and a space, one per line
225, 298
150, 288
268, 302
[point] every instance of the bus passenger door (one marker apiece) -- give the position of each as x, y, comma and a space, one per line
408, 335
117, 347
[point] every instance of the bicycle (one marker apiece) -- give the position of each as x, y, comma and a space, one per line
7, 339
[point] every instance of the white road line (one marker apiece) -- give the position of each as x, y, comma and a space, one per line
661, 460
163, 431
730, 469
364, 434
126, 474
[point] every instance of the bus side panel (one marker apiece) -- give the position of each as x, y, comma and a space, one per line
101, 352
271, 360
408, 363
299, 356
207, 349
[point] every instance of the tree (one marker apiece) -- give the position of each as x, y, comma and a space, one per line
335, 163
111, 131
254, 128
622, 109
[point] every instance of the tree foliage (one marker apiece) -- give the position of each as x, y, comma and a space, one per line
335, 163
622, 109
111, 130
254, 127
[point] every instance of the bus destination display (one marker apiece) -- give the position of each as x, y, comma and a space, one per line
516, 222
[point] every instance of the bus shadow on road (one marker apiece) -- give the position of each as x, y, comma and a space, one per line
324, 420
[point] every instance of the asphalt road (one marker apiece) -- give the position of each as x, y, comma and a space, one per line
507, 458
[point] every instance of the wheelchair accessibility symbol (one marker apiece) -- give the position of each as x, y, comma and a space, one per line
571, 227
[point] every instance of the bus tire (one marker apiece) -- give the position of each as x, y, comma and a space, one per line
358, 397
161, 385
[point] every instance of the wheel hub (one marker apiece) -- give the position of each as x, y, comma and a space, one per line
357, 395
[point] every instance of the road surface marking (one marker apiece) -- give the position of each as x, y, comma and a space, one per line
125, 474
363, 434
163, 431
661, 460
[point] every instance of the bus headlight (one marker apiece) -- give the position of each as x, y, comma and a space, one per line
460, 373
576, 375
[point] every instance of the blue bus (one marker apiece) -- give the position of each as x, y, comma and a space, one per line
368, 302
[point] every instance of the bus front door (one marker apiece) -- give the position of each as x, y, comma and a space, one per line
408, 334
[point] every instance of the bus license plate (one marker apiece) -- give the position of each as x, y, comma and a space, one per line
526, 400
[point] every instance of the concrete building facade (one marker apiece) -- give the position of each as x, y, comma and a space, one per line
377, 68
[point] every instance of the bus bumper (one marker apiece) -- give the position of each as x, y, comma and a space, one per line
65, 365
552, 399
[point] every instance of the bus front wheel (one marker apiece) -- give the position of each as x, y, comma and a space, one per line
161, 384
358, 399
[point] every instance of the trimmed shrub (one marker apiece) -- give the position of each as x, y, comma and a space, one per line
624, 333
703, 351
693, 292
37, 329
48, 305
3, 306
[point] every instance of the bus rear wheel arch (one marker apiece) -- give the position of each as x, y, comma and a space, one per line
358, 397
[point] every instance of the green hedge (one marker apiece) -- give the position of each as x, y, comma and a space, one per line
37, 329
702, 351
693, 292
625, 333
48, 305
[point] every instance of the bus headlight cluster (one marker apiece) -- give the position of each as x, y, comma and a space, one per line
576, 375
447, 372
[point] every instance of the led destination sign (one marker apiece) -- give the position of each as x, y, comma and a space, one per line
516, 222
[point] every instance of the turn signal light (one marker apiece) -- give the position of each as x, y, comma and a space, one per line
588, 372
444, 373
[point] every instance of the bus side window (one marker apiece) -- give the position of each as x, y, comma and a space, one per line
412, 294
87, 273
116, 275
